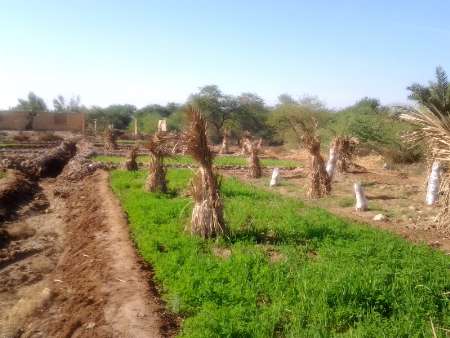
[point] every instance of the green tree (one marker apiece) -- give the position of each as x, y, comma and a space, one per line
289, 113
32, 104
61, 105
120, 115
216, 107
435, 96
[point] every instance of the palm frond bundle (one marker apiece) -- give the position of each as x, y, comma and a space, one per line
207, 215
320, 182
110, 139
254, 164
131, 164
160, 146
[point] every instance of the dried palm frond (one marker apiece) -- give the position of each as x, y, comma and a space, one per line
320, 182
246, 141
434, 131
347, 149
160, 146
207, 215
131, 164
254, 166
110, 139
224, 149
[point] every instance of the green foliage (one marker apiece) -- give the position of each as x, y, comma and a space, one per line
120, 115
61, 105
32, 103
377, 129
286, 270
435, 96
289, 113
246, 112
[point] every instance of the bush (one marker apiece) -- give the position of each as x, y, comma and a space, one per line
378, 130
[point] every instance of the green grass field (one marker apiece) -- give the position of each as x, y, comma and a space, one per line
219, 161
286, 270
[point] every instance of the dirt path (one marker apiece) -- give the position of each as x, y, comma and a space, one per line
89, 281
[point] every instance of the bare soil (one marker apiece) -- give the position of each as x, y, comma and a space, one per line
70, 269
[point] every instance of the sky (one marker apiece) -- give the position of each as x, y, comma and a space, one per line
143, 52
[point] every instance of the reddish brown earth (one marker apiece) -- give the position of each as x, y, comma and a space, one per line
70, 269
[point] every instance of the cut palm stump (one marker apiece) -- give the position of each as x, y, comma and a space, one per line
207, 215
361, 200
275, 180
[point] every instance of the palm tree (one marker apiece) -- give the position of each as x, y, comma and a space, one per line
435, 96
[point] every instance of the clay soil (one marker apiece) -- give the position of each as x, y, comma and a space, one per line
69, 268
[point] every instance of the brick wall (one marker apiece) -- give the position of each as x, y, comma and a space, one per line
17, 120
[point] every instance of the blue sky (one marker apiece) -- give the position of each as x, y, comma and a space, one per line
143, 52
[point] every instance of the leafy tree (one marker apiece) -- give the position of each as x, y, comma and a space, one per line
250, 114
289, 113
216, 107
32, 104
435, 96
61, 105
120, 115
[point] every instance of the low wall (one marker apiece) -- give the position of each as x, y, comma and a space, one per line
18, 120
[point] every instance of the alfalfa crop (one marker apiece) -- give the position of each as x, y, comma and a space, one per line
207, 215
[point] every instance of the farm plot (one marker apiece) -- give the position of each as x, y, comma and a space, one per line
286, 269
218, 161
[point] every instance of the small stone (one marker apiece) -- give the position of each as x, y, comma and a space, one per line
379, 217
90, 325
